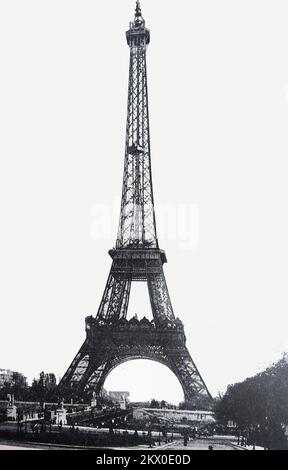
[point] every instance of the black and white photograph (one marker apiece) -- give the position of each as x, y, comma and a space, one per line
144, 228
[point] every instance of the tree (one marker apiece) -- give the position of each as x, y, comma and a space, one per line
17, 386
45, 388
42, 389
259, 405
154, 403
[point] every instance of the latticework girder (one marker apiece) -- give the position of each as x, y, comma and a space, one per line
111, 343
137, 227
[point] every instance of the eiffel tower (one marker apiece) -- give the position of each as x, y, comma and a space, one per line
112, 339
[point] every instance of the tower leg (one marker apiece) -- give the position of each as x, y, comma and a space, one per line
196, 393
159, 298
115, 299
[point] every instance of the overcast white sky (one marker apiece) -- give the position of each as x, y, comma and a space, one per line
218, 85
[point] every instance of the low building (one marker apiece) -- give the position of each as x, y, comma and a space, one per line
231, 424
121, 398
61, 416
189, 417
140, 404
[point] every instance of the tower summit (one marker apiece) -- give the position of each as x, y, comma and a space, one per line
137, 33
112, 339
137, 226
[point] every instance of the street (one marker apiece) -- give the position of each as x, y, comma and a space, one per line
202, 444
197, 444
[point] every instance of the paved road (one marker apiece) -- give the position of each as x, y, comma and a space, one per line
198, 444
15, 447
202, 444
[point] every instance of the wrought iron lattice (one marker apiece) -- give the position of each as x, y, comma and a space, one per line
110, 338
137, 227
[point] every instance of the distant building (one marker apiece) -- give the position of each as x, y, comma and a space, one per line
6, 376
104, 393
231, 424
12, 378
177, 416
140, 404
121, 398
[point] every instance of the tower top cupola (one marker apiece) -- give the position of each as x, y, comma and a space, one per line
138, 35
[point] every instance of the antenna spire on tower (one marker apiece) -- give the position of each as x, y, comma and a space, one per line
138, 12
